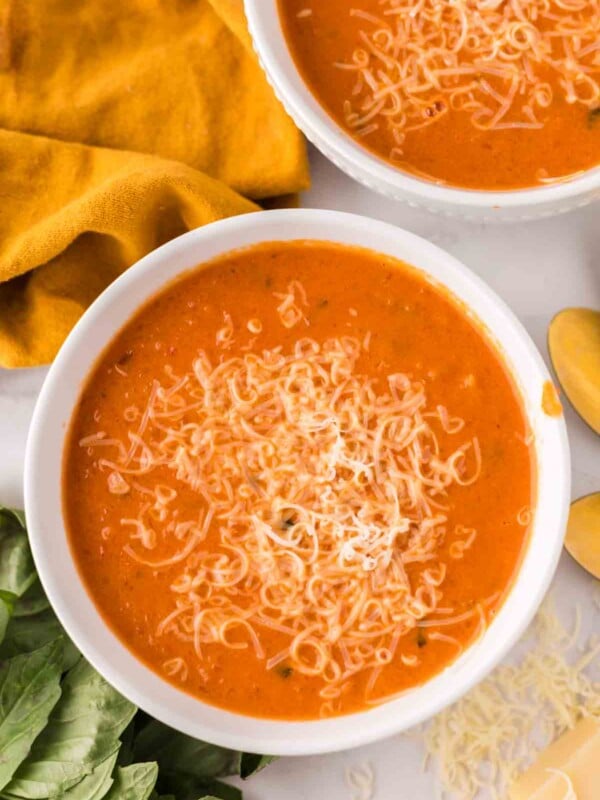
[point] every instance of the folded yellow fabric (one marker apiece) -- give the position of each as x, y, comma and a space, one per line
122, 124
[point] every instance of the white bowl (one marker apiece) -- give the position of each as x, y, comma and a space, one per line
374, 172
54, 560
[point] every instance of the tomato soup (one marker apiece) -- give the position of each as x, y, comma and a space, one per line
494, 96
298, 481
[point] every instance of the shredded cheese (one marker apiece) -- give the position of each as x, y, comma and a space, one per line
525, 516
502, 62
224, 336
489, 737
176, 666
290, 308
569, 788
323, 493
361, 782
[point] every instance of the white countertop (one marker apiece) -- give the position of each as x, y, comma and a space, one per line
537, 268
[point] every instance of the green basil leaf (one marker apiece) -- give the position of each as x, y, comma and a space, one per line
95, 785
83, 730
127, 740
29, 690
188, 787
177, 752
24, 634
183, 787
17, 571
9, 598
251, 763
5, 613
7, 608
135, 782
221, 791
33, 601
12, 519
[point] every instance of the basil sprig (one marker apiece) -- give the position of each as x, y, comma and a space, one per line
64, 731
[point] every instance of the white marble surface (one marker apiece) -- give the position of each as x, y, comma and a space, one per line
538, 268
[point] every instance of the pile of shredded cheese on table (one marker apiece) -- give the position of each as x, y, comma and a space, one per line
327, 491
502, 62
486, 740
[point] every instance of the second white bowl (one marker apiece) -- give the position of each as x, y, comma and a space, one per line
377, 174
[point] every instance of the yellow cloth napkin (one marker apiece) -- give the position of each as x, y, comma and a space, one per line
122, 125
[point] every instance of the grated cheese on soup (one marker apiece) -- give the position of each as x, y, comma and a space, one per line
326, 492
498, 61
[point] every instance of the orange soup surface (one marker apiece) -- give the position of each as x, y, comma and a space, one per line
493, 96
297, 482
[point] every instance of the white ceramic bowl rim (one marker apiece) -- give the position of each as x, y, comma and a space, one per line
43, 490
325, 133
